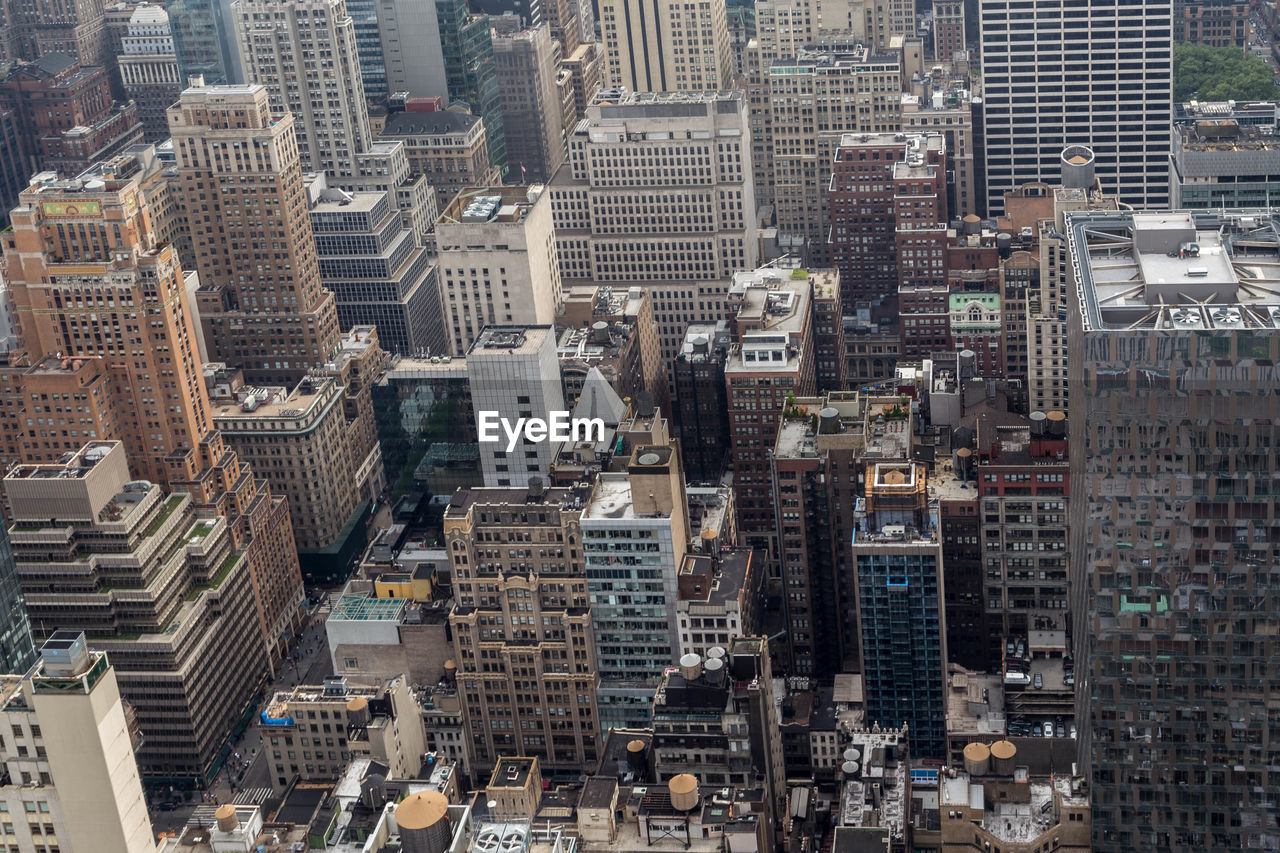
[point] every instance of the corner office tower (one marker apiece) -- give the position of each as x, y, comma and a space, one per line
1057, 73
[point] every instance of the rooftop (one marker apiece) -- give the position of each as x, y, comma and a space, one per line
1176, 271
363, 608
510, 340
421, 124
498, 205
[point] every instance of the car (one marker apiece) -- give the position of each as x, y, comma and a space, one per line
1022, 649
1048, 729
167, 806
1069, 679
1071, 732
1013, 677
1060, 730
1036, 731
1038, 681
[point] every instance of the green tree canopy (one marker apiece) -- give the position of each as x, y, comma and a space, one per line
1220, 74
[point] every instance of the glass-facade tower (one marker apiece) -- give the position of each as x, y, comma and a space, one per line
17, 651
470, 71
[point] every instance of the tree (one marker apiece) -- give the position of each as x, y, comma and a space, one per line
1206, 73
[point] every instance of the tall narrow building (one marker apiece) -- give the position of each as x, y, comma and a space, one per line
522, 626
1172, 534
470, 73
72, 740
1039, 96
666, 46
262, 306
404, 27
531, 116
17, 652
204, 40
304, 52
149, 69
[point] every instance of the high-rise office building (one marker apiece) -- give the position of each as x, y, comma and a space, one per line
699, 406
666, 46
190, 603
17, 651
520, 582
635, 533
1225, 155
622, 216
405, 26
81, 251
859, 91
497, 262
261, 302
470, 73
204, 40
375, 270
149, 69
1038, 98
14, 170
71, 750
942, 103
373, 66
897, 557
1174, 406
531, 113
584, 70
282, 45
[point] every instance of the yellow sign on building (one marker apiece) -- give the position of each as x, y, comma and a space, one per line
71, 208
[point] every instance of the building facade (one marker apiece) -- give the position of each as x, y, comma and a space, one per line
280, 44
470, 73
1173, 406
531, 114
149, 69
265, 312
522, 627
77, 786
17, 650
497, 262
1120, 105
404, 27
641, 46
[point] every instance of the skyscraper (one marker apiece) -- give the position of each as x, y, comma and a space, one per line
204, 41
17, 652
1175, 401
531, 115
1052, 78
261, 303
284, 45
373, 67
897, 557
149, 69
666, 46
470, 73
404, 27
72, 737
522, 598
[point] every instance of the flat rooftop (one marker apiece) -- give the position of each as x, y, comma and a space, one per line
364, 608
510, 340
1176, 271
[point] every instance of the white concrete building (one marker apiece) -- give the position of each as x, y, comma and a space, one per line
304, 52
497, 262
149, 69
514, 373
72, 782
1052, 78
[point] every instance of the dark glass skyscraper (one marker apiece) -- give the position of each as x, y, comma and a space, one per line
373, 70
17, 652
1174, 534
471, 73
